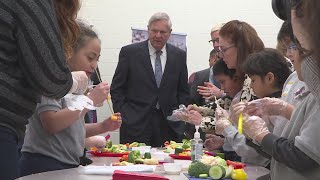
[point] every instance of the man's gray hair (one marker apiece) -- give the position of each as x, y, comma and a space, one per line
217, 27
160, 16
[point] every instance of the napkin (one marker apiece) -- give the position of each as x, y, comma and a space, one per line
108, 170
121, 175
78, 102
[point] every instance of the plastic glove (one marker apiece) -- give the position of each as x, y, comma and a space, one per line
111, 125
194, 107
99, 94
213, 142
178, 116
209, 90
194, 117
254, 126
221, 113
236, 110
266, 107
96, 141
80, 82
221, 120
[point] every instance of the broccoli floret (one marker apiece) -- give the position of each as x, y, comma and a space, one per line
196, 168
141, 144
133, 156
109, 144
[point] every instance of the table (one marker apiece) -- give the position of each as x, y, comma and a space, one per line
74, 174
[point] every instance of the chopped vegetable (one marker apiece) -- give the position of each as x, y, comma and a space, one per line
238, 174
196, 168
109, 144
147, 155
138, 161
178, 150
133, 156
235, 165
203, 176
229, 170
124, 158
114, 118
141, 144
134, 144
217, 172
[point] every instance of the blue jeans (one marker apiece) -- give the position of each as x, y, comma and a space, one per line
31, 163
9, 154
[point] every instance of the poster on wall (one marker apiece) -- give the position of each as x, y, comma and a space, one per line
176, 39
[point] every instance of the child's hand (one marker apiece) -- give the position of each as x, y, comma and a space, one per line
209, 90
213, 142
194, 107
267, 107
96, 141
194, 118
255, 128
99, 94
221, 120
111, 125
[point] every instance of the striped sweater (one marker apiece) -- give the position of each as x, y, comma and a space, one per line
32, 61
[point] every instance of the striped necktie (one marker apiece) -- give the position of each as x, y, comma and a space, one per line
158, 68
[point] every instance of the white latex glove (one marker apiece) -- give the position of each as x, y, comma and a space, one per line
95, 141
194, 117
266, 107
99, 93
236, 110
221, 120
80, 82
213, 142
194, 107
179, 116
254, 126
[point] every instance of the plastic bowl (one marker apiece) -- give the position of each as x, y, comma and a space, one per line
160, 156
184, 163
172, 168
142, 149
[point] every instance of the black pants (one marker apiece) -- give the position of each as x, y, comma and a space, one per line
31, 163
9, 153
155, 133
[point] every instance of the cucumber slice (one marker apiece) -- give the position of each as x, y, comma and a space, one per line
228, 171
217, 172
203, 176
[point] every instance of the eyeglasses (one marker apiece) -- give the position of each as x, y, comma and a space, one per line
213, 41
225, 49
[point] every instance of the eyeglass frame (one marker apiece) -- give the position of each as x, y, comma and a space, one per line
222, 51
212, 41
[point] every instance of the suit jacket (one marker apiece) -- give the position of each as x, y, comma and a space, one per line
134, 91
199, 78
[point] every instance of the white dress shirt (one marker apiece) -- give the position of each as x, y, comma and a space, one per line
153, 55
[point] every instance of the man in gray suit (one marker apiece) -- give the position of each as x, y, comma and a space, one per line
150, 81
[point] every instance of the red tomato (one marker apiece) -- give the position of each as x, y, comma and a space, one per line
236, 165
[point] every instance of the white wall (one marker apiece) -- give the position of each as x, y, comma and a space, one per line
113, 20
